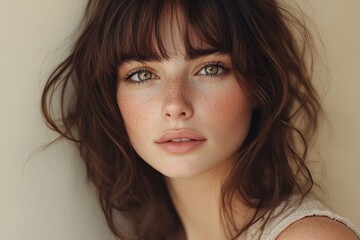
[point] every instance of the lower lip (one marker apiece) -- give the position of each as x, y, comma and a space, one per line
181, 147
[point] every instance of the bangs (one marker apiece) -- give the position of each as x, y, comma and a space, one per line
141, 30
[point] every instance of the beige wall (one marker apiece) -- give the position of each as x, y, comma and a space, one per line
48, 198
339, 144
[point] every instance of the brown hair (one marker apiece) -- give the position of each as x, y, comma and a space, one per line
267, 58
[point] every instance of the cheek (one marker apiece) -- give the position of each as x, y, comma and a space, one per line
133, 111
229, 108
230, 122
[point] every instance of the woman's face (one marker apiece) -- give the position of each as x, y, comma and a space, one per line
184, 116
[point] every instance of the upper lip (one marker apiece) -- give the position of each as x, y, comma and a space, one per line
178, 134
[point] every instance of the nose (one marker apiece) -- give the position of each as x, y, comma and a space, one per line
177, 100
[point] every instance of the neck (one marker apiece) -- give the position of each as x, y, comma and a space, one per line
197, 201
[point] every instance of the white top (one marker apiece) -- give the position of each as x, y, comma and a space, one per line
291, 211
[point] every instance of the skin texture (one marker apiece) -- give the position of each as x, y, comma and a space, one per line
180, 97
317, 228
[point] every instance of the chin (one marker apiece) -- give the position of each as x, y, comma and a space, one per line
192, 169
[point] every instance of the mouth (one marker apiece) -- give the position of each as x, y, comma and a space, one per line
179, 136
180, 141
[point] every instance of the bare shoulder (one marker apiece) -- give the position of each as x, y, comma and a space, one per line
317, 228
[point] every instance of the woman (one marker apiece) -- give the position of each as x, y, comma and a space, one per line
187, 113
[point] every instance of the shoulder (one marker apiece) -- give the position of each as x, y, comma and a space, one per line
317, 228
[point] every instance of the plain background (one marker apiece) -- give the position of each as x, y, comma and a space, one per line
45, 195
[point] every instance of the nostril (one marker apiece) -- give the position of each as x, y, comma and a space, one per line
182, 114
176, 115
180, 109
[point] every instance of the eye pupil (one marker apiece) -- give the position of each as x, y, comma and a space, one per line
144, 75
212, 70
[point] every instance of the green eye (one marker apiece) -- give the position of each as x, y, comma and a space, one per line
212, 70
142, 75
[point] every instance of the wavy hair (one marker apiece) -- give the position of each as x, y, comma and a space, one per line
271, 51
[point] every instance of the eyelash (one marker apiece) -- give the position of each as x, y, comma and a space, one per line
225, 70
128, 76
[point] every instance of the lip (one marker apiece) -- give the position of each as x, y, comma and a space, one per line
182, 133
165, 141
